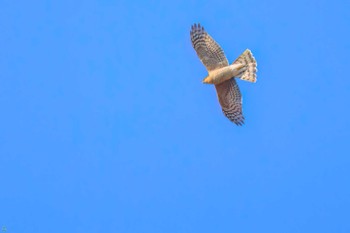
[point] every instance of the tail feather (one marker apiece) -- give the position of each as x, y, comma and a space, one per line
248, 60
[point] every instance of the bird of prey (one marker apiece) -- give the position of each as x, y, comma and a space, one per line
222, 74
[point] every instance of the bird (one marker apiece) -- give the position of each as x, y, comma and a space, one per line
223, 75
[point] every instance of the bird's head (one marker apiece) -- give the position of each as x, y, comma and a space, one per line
208, 80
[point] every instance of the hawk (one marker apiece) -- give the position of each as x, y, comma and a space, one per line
222, 74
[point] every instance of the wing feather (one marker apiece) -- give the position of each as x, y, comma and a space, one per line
230, 99
209, 52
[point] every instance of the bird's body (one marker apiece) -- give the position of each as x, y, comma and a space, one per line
223, 75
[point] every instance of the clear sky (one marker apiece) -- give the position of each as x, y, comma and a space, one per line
105, 125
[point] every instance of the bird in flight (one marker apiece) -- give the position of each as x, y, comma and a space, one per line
222, 74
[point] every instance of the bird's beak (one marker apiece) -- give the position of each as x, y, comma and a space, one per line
206, 80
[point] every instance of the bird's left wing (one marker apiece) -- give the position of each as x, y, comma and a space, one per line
208, 51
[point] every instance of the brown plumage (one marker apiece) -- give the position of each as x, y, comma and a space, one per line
223, 75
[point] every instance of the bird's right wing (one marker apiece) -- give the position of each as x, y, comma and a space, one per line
230, 100
208, 51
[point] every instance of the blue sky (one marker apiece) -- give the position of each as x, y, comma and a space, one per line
106, 127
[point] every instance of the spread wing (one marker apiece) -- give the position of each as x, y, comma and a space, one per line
230, 100
208, 51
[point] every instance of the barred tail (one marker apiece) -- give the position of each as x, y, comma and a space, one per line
248, 60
